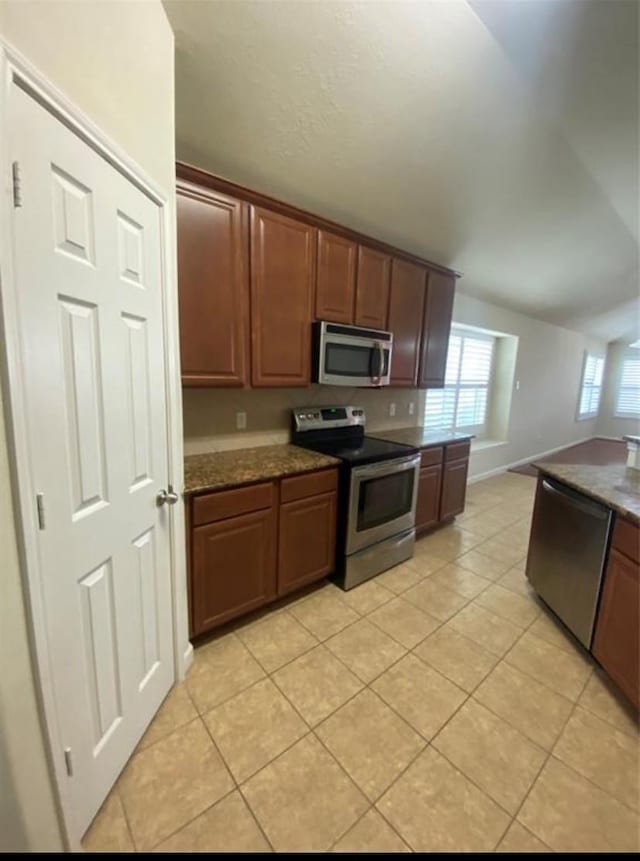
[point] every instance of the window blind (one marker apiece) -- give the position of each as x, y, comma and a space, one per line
628, 398
591, 388
462, 403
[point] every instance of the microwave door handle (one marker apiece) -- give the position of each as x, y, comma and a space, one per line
375, 377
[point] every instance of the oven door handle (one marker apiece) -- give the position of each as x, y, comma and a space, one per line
387, 467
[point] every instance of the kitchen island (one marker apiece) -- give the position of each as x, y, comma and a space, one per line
584, 561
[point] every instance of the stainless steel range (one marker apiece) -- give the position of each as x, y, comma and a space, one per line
377, 492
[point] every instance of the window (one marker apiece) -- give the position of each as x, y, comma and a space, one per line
591, 387
462, 403
628, 397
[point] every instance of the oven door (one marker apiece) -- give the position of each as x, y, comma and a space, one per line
351, 359
382, 501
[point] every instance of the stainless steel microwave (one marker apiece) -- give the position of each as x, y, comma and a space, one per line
351, 355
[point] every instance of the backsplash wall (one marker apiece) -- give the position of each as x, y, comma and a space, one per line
209, 415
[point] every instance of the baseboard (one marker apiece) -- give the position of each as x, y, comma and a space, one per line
187, 660
500, 469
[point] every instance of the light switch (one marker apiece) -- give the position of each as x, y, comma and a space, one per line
241, 421
392, 409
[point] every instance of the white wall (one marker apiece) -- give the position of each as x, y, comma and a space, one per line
608, 424
115, 61
548, 369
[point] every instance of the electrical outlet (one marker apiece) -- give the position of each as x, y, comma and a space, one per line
392, 410
517, 385
241, 421
412, 408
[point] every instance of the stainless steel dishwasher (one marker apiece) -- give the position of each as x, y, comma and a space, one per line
567, 553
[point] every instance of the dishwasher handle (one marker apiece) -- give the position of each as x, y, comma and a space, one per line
576, 500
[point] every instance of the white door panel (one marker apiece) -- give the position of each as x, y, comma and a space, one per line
87, 246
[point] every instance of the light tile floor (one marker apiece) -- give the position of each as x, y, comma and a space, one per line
439, 707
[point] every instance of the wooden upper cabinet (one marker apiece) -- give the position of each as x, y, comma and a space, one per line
438, 309
372, 288
406, 308
336, 278
282, 282
213, 287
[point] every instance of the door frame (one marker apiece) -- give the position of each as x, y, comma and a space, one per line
15, 69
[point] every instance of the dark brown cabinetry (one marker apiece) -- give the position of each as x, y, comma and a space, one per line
234, 556
372, 291
213, 253
442, 485
438, 309
616, 643
454, 488
250, 544
428, 505
336, 278
282, 280
406, 302
254, 272
307, 538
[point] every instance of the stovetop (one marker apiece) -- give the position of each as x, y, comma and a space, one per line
359, 451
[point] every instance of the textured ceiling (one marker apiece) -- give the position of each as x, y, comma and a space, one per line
499, 138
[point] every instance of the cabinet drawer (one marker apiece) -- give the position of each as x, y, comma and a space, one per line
309, 484
230, 503
457, 450
431, 456
626, 538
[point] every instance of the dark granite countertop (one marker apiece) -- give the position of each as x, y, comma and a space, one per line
420, 437
615, 485
220, 469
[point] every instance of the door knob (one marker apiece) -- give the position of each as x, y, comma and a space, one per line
167, 497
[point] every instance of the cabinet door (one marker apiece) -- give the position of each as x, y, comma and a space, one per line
616, 643
428, 505
438, 309
406, 308
372, 291
213, 287
234, 567
454, 488
336, 279
282, 280
307, 542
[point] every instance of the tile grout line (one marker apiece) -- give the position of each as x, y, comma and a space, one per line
459, 770
190, 821
124, 813
213, 804
546, 760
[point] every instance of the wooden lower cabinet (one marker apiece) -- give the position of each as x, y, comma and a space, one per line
234, 567
454, 488
616, 643
246, 549
428, 506
307, 541
442, 485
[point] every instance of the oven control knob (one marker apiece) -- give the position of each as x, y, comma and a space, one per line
309, 415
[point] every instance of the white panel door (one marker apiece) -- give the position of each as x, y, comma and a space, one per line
88, 263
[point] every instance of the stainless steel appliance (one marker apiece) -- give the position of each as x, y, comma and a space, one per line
567, 553
350, 355
377, 491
